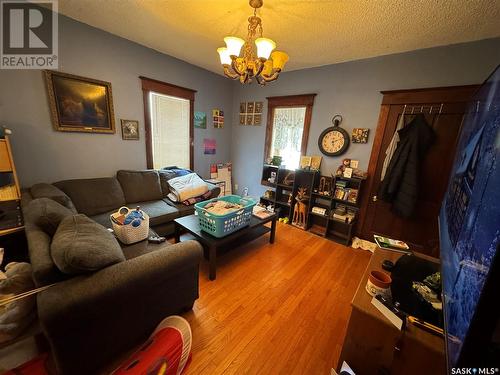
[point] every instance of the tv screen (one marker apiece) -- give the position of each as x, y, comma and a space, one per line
469, 224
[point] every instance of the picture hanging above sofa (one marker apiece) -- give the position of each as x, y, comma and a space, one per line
79, 104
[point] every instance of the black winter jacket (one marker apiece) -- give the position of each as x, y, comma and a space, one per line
400, 184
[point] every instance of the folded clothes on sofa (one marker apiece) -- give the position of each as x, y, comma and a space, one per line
185, 187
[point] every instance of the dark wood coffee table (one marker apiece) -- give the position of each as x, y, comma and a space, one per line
212, 244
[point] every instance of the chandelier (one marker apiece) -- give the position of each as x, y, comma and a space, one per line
259, 61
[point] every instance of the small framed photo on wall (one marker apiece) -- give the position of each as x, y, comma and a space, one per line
360, 135
250, 107
130, 130
258, 107
249, 119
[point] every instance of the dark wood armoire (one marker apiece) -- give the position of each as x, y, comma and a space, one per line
443, 108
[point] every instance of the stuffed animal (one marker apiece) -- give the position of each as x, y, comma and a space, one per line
345, 164
19, 314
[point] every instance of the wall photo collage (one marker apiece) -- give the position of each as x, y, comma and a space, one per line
251, 113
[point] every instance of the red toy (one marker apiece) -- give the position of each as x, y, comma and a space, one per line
166, 352
36, 366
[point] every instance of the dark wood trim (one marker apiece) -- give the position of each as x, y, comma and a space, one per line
165, 88
152, 85
273, 102
372, 165
291, 100
429, 95
307, 126
191, 134
147, 130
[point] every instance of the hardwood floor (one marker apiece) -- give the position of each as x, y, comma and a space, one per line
275, 309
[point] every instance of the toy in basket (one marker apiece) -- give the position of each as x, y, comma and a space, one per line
225, 215
130, 226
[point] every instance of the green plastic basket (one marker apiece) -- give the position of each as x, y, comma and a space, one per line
222, 225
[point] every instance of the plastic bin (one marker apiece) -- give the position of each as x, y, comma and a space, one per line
222, 225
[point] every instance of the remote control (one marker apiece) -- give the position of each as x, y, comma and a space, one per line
156, 239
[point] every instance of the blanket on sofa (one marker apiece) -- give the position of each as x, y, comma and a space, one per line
185, 187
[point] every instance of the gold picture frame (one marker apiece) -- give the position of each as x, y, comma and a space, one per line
305, 162
80, 104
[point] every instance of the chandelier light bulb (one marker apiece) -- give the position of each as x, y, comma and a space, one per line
279, 58
234, 45
225, 58
264, 47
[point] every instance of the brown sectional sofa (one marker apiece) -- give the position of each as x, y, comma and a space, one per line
91, 319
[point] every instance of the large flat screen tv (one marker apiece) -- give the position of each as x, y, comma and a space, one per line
469, 225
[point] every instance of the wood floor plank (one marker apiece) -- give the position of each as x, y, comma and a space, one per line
275, 309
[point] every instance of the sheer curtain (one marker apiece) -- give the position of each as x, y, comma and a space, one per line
169, 131
288, 126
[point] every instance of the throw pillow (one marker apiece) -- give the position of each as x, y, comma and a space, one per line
44, 190
47, 214
80, 245
140, 186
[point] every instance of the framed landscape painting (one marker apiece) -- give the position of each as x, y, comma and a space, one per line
79, 104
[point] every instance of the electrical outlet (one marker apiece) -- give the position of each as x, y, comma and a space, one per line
235, 186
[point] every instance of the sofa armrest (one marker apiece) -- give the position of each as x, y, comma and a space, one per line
214, 190
90, 320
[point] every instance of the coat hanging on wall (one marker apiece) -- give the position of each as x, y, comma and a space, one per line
400, 185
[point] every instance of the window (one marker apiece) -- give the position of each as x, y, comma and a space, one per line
288, 122
169, 131
168, 115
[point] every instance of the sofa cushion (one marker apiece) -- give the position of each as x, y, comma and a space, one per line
47, 214
182, 208
158, 211
43, 190
140, 186
94, 196
80, 245
103, 218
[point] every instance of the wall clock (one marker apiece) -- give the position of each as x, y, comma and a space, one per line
334, 140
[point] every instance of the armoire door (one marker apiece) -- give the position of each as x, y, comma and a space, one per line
443, 109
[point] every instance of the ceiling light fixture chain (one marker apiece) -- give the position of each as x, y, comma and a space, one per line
261, 63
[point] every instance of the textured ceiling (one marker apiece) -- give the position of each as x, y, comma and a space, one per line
313, 33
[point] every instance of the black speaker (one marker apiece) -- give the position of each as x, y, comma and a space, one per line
10, 215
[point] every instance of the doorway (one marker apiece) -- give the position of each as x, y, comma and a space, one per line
443, 109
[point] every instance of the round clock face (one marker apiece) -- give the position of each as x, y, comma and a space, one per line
333, 141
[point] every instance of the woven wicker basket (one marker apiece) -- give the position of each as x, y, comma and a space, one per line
129, 234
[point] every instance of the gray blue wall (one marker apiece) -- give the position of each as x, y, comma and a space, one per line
44, 155
352, 89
